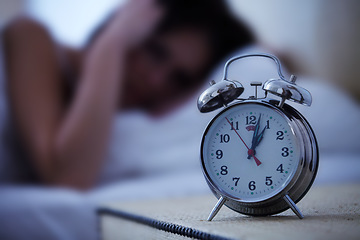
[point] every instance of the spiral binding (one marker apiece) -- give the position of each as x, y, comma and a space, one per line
161, 225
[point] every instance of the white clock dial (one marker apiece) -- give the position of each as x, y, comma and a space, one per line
250, 152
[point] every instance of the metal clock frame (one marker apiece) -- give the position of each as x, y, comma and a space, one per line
298, 185
224, 92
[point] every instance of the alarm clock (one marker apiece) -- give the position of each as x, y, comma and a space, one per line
259, 156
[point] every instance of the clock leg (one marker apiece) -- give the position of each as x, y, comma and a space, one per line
217, 207
293, 206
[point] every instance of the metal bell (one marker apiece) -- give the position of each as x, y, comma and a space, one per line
219, 94
288, 90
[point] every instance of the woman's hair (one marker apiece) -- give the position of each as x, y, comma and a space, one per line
224, 32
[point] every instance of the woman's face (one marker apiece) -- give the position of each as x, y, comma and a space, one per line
165, 70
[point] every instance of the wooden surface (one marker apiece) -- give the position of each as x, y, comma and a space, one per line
331, 212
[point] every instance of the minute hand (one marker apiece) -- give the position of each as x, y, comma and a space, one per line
254, 139
255, 136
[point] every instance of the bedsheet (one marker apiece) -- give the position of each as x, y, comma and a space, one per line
32, 212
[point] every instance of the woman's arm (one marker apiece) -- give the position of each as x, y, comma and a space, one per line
68, 145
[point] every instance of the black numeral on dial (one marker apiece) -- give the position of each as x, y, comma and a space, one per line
280, 168
252, 186
267, 124
280, 135
250, 120
224, 170
234, 125
236, 180
219, 154
285, 152
268, 181
224, 138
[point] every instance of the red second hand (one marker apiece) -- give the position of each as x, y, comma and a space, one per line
257, 161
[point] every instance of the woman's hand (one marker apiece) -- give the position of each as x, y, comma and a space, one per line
133, 22
68, 145
82, 136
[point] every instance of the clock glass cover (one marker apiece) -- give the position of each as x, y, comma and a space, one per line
250, 152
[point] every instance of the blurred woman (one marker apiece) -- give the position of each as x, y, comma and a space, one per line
148, 55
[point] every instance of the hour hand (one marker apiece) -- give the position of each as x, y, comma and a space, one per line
260, 137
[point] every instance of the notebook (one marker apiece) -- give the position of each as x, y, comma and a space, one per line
331, 212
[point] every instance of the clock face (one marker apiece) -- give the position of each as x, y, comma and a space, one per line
250, 152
